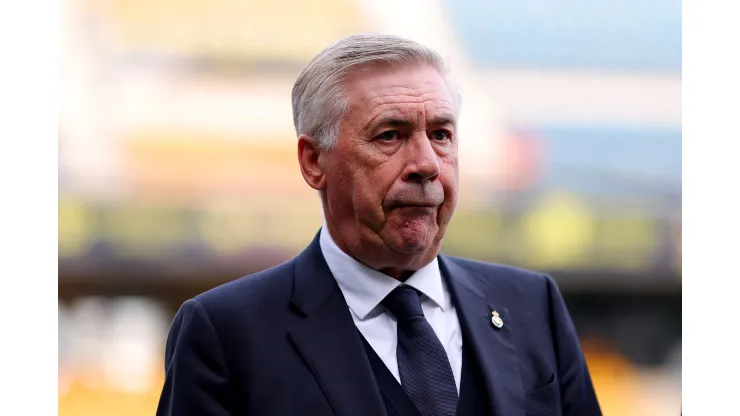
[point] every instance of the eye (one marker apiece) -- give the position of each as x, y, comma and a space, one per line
441, 135
388, 136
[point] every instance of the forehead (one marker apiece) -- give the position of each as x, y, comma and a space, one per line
382, 88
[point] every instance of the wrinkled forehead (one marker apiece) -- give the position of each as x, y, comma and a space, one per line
375, 89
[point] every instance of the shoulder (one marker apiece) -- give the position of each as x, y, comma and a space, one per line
249, 294
500, 274
503, 282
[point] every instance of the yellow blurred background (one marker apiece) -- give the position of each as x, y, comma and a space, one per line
178, 172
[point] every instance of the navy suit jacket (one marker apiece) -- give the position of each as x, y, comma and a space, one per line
282, 342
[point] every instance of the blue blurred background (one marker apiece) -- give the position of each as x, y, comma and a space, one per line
178, 171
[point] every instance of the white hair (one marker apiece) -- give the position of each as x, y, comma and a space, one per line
318, 99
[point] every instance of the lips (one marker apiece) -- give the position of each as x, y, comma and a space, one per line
412, 198
417, 205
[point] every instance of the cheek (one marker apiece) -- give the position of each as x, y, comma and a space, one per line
370, 189
378, 175
449, 176
341, 189
450, 182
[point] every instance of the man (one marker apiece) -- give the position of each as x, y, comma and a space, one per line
370, 319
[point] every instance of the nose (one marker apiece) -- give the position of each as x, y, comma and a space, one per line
422, 162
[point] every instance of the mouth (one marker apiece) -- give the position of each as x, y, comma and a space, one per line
416, 205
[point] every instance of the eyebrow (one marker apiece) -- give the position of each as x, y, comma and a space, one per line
401, 123
392, 122
443, 120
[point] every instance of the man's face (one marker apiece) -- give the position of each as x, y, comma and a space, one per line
392, 177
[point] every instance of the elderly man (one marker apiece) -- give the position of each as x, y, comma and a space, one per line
370, 319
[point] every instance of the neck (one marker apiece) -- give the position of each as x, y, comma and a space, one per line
398, 274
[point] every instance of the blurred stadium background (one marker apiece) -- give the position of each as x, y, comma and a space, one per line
177, 169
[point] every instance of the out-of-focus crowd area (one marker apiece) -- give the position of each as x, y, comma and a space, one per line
178, 171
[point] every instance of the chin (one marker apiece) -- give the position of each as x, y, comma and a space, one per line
412, 248
413, 239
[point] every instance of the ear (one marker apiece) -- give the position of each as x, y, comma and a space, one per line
308, 159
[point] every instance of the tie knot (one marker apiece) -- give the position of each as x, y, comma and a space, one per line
404, 302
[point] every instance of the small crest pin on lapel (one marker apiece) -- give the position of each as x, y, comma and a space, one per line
496, 320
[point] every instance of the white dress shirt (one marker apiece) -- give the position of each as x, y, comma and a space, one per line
364, 288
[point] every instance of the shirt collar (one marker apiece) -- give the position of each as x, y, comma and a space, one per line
364, 288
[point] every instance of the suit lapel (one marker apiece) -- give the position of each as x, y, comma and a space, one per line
493, 347
328, 340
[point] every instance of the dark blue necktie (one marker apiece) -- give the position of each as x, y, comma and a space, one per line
426, 374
